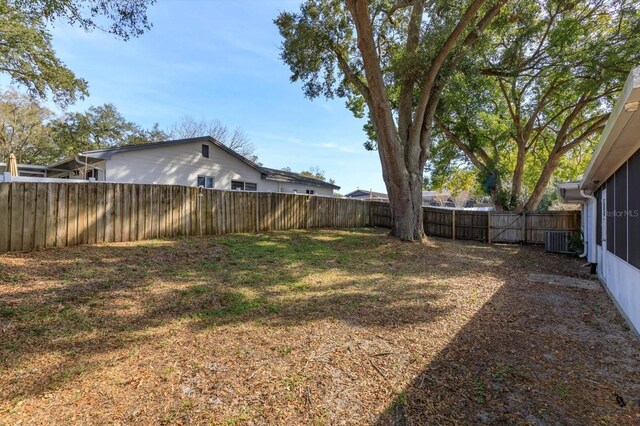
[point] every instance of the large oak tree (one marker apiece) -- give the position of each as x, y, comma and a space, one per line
392, 60
539, 97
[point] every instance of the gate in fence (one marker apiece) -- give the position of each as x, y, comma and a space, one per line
490, 227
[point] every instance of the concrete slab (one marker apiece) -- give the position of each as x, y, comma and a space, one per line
563, 281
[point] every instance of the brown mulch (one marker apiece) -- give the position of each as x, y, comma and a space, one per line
309, 327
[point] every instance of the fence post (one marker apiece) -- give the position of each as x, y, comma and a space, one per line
199, 197
489, 227
453, 224
256, 196
524, 227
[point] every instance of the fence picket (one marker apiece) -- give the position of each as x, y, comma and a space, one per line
52, 214
5, 217
29, 218
100, 212
40, 231
61, 232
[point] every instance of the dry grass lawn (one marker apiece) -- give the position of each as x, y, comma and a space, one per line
308, 327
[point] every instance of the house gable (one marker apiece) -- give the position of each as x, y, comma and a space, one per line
199, 161
181, 164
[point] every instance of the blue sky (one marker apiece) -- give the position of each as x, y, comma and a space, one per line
219, 60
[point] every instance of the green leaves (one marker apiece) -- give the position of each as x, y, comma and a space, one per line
315, 42
24, 127
33, 133
26, 54
541, 88
122, 18
99, 127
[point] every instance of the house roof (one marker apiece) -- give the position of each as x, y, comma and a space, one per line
286, 176
431, 194
570, 191
106, 154
620, 136
360, 193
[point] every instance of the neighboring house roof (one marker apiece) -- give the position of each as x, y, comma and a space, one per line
431, 194
106, 154
286, 176
361, 193
620, 136
33, 170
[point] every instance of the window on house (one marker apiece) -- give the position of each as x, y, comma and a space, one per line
205, 182
237, 185
205, 151
310, 192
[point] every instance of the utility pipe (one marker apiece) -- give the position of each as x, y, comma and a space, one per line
593, 213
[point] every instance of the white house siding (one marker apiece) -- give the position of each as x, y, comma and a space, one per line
623, 282
181, 164
289, 188
618, 264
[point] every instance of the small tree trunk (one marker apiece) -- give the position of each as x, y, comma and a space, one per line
541, 185
518, 174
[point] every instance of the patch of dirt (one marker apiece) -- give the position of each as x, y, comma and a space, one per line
309, 327
563, 281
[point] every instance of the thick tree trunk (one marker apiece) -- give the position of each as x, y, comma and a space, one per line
402, 164
405, 199
404, 186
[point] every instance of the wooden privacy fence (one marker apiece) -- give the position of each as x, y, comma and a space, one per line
490, 227
39, 215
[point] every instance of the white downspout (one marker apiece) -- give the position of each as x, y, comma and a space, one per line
585, 223
591, 245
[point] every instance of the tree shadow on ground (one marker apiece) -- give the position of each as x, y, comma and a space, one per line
65, 312
67, 307
533, 354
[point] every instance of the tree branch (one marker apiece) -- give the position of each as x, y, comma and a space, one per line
595, 127
438, 62
405, 103
429, 113
471, 155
